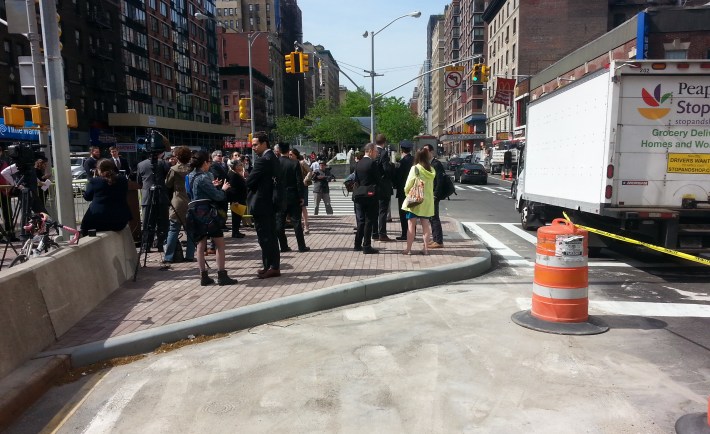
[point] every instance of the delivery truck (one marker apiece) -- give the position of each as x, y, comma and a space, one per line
625, 149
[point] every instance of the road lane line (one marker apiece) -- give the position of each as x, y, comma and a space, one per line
506, 252
521, 233
639, 308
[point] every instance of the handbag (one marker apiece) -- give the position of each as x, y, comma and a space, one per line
416, 193
308, 180
238, 209
364, 192
204, 218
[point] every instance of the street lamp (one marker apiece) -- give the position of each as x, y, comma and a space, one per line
415, 14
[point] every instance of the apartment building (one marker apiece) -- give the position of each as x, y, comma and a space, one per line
436, 109
322, 81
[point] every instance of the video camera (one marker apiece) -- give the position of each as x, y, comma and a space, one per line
24, 155
155, 142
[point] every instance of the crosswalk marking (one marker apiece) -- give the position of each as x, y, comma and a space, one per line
490, 189
515, 259
342, 205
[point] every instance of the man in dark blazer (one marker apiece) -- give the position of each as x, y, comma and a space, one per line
294, 192
401, 173
384, 188
367, 173
437, 234
161, 203
260, 198
120, 162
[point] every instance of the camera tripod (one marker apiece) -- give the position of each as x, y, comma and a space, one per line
23, 208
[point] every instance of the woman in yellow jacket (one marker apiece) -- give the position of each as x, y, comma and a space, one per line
422, 170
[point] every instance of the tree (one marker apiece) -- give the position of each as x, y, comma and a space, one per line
357, 103
337, 129
289, 128
397, 122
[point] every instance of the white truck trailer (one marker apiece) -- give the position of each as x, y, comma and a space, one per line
626, 150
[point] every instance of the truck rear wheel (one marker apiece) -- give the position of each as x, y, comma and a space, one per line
525, 219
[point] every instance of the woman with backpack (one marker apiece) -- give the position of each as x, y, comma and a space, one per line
203, 216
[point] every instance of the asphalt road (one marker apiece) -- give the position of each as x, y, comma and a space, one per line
445, 359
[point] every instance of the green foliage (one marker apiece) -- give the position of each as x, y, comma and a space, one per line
357, 103
337, 129
288, 128
397, 122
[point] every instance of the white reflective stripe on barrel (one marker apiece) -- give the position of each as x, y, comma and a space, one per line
561, 261
560, 294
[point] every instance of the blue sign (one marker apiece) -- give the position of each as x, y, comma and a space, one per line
12, 133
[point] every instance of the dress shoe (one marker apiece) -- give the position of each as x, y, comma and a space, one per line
189, 260
369, 251
271, 272
402, 238
435, 245
260, 272
238, 235
287, 249
357, 249
304, 250
385, 238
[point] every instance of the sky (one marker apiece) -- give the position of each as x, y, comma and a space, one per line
400, 49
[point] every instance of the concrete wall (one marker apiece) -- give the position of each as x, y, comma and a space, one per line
44, 297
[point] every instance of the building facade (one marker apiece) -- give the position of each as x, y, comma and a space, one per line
436, 108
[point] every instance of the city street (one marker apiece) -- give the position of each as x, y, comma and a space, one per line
443, 359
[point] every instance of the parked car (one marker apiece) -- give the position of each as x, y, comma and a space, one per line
454, 163
78, 177
471, 172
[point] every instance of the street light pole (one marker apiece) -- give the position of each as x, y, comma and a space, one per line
415, 14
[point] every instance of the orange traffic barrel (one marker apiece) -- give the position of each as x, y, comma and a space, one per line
561, 279
560, 302
694, 423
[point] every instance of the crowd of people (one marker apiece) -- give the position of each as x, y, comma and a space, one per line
178, 193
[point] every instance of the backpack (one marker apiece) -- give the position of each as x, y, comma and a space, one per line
448, 188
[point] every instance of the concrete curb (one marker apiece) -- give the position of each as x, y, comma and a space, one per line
26, 384
274, 310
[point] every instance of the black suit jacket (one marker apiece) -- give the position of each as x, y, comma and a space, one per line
367, 172
218, 171
124, 165
401, 174
438, 178
386, 169
291, 179
260, 185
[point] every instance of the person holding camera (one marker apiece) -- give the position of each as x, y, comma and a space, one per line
321, 189
151, 174
91, 162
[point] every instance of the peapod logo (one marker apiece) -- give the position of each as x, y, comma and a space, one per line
654, 111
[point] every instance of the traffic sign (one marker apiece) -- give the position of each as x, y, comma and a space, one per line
453, 77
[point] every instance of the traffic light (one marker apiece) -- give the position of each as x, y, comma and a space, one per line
59, 31
290, 65
485, 73
72, 121
476, 74
244, 109
304, 62
14, 117
250, 136
40, 115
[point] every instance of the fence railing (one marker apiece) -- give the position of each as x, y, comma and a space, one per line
10, 205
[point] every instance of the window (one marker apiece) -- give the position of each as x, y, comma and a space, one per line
152, 4
166, 30
513, 52
235, 100
163, 9
159, 91
80, 71
225, 115
166, 52
224, 84
676, 54
231, 11
160, 111
156, 47
77, 38
226, 100
154, 24
156, 68
241, 84
515, 25
167, 73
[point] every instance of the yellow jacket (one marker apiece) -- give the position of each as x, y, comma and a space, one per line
426, 208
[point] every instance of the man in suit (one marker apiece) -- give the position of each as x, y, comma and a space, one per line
260, 197
401, 173
294, 192
120, 162
367, 173
384, 188
159, 211
90, 163
437, 234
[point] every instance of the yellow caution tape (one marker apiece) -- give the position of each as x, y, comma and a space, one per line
641, 243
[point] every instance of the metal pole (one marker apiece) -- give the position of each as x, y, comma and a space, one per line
251, 93
298, 88
372, 81
40, 96
57, 112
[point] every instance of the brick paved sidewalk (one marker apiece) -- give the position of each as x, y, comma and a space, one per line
160, 297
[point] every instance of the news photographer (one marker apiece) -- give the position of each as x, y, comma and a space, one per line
151, 175
22, 176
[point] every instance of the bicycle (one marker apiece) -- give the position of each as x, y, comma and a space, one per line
40, 241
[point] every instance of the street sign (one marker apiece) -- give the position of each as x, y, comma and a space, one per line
27, 78
453, 77
16, 13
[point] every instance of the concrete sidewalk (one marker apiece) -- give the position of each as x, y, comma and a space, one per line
165, 305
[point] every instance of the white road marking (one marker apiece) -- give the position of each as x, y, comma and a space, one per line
703, 296
506, 252
645, 309
520, 232
106, 418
